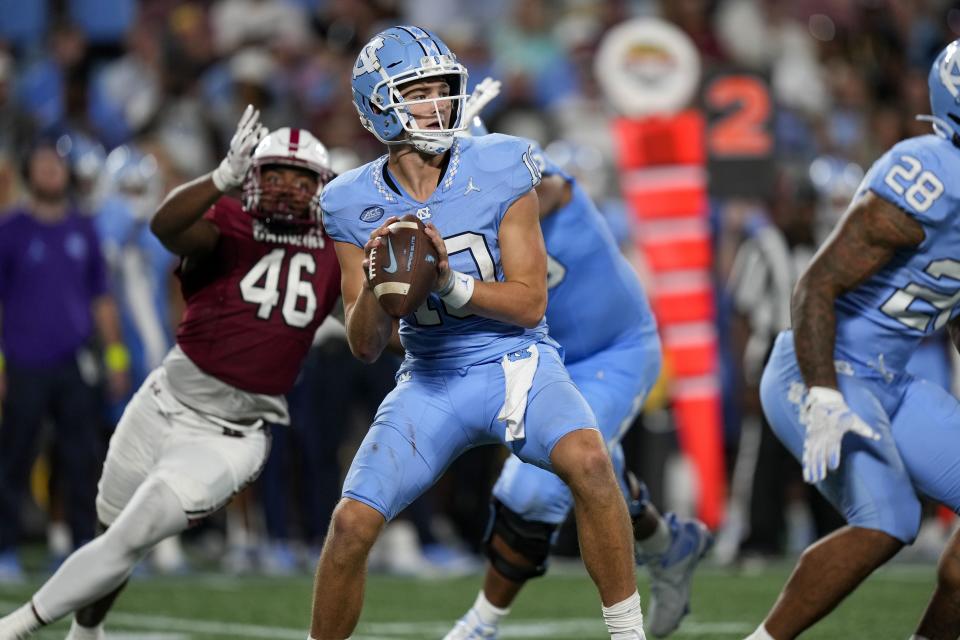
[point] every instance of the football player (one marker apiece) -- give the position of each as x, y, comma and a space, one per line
835, 390
479, 366
613, 355
258, 277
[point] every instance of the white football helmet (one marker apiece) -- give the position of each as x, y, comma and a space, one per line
288, 147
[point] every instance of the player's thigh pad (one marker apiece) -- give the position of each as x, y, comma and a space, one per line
871, 488
416, 434
555, 407
614, 382
205, 468
134, 448
926, 427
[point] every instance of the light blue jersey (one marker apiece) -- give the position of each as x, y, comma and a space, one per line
881, 322
599, 314
466, 380
880, 325
484, 177
595, 297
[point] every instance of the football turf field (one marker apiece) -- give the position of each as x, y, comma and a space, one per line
726, 605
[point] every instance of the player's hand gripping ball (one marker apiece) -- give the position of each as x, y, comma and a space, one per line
401, 265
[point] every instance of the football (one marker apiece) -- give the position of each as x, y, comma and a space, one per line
403, 268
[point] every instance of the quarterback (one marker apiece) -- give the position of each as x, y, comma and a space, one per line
479, 366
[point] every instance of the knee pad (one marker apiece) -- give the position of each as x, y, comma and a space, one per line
529, 538
639, 494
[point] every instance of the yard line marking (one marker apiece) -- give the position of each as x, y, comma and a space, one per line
548, 628
175, 627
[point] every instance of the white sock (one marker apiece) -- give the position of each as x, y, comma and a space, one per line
760, 634
488, 613
79, 632
918, 637
23, 621
658, 541
624, 619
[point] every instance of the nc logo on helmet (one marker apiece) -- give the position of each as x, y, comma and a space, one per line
950, 69
367, 61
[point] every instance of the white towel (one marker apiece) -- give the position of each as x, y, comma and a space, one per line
519, 368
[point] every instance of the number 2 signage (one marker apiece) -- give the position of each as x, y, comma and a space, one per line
740, 142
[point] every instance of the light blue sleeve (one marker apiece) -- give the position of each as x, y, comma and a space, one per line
912, 175
513, 161
340, 220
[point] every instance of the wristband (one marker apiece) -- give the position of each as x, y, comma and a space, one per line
458, 291
447, 286
116, 357
824, 394
219, 182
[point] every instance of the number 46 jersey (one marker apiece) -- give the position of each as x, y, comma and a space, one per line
254, 304
880, 323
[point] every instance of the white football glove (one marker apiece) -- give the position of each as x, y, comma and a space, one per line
234, 167
483, 93
827, 418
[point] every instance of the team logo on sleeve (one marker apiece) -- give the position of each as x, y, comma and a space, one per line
371, 214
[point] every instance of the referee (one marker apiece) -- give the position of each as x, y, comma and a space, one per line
53, 305
766, 268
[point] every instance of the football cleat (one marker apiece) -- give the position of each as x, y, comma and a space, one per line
671, 573
470, 627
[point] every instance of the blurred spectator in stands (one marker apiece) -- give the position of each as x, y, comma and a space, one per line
140, 268
85, 157
105, 23
16, 124
241, 23
51, 82
54, 304
126, 93
24, 24
534, 68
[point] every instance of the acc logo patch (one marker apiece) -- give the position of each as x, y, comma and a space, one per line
371, 214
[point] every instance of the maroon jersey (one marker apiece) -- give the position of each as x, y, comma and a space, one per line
254, 304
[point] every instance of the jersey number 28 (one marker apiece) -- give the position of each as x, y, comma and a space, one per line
919, 187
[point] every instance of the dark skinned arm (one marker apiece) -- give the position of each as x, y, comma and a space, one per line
862, 243
179, 223
953, 328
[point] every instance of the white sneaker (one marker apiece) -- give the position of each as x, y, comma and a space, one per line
671, 574
470, 627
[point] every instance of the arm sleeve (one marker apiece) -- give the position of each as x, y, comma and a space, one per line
911, 176
513, 162
336, 222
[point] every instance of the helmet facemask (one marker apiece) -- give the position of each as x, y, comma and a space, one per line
438, 130
286, 205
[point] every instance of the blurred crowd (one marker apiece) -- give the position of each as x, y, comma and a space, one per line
139, 96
